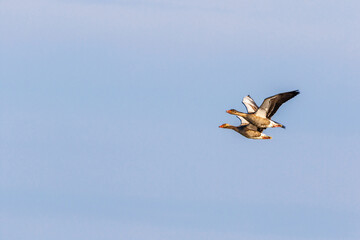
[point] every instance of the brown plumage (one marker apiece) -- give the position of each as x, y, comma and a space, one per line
247, 130
261, 118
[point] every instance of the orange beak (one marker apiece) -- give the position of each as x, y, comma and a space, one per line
221, 126
266, 137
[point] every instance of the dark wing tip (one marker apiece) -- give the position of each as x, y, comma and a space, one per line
293, 93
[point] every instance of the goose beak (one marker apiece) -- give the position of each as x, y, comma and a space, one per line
228, 111
266, 137
221, 126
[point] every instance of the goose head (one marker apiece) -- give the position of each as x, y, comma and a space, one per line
232, 111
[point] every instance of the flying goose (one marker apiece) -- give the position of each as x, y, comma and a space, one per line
261, 117
246, 129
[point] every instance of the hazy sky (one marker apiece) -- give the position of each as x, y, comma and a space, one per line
110, 112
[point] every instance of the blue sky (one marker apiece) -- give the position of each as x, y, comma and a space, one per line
110, 113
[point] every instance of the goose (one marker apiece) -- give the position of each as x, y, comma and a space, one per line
246, 129
261, 116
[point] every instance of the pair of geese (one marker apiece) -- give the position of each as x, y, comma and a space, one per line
257, 119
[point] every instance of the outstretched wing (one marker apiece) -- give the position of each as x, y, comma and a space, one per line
243, 121
250, 104
271, 104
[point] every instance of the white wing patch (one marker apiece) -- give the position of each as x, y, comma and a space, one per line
261, 113
250, 104
243, 121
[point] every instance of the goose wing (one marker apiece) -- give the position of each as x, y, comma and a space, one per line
250, 104
243, 121
271, 104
